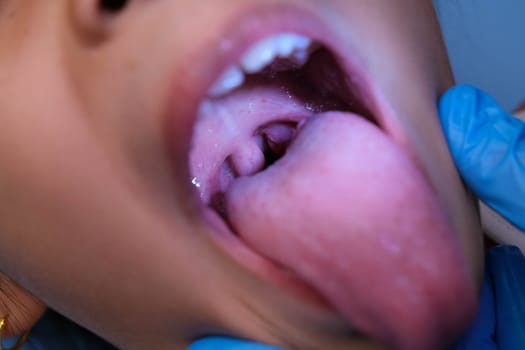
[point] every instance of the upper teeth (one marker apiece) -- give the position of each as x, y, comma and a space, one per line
292, 47
232, 78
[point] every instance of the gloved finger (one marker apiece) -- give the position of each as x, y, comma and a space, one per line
507, 268
225, 343
480, 335
488, 146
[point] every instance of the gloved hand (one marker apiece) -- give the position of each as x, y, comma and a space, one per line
500, 324
488, 146
224, 343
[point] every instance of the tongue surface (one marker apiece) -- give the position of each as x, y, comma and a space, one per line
346, 210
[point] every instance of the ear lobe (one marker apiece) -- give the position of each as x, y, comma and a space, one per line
18, 308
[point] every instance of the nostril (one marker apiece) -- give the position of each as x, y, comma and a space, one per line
112, 6
93, 20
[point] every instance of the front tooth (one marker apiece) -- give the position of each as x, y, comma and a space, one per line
288, 43
259, 56
231, 79
264, 52
301, 56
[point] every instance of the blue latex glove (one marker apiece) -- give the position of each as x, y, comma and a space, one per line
501, 317
54, 332
488, 146
225, 343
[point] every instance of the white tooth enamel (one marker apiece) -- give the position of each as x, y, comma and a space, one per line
232, 78
259, 56
264, 52
292, 47
284, 45
300, 57
288, 43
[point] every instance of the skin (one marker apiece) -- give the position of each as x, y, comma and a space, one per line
97, 216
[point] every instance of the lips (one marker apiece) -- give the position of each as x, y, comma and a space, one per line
325, 189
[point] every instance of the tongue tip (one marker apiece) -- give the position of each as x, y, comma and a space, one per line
444, 314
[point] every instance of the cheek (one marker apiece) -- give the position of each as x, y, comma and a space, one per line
431, 152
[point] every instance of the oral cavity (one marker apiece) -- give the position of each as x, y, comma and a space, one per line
285, 152
253, 111
283, 52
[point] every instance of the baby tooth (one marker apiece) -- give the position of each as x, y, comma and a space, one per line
295, 42
264, 52
287, 43
259, 56
300, 57
294, 47
231, 79
284, 46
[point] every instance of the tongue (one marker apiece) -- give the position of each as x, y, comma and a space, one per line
347, 211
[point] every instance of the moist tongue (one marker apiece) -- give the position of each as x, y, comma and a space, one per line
347, 210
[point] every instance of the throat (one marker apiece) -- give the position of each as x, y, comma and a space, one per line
249, 130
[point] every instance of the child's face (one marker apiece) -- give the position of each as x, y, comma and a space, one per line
99, 216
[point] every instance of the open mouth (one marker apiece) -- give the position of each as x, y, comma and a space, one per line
256, 108
300, 178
